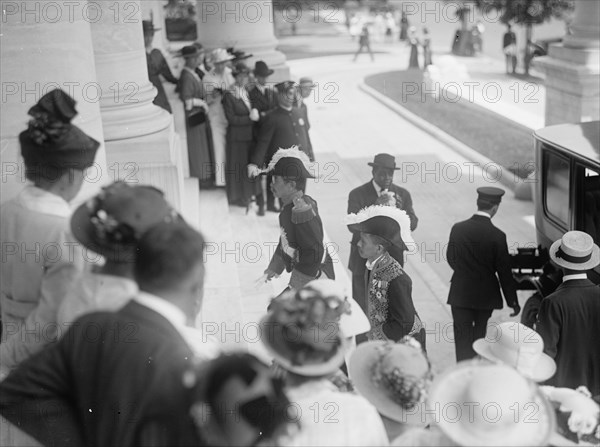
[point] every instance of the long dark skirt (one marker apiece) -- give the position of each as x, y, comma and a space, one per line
240, 188
414, 57
200, 153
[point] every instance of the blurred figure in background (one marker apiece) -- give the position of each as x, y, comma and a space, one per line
364, 41
404, 25
413, 41
509, 48
157, 66
426, 43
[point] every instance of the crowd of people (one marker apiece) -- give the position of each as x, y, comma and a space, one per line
105, 352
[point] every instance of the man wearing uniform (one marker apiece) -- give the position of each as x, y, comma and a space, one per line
300, 249
378, 191
477, 251
282, 127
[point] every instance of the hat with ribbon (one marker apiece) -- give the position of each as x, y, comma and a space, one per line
238, 55
51, 140
220, 56
262, 69
290, 163
112, 222
477, 403
387, 222
516, 345
384, 161
148, 27
189, 51
575, 251
490, 194
394, 377
302, 333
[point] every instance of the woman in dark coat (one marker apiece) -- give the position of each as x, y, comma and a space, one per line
191, 92
426, 48
241, 117
414, 48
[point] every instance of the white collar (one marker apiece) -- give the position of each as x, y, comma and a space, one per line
172, 313
286, 109
483, 213
261, 88
370, 265
574, 276
378, 189
42, 201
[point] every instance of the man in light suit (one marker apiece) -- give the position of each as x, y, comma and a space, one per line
379, 190
117, 378
477, 252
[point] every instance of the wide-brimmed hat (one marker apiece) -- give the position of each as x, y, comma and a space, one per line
262, 69
516, 345
239, 68
290, 163
238, 55
478, 403
220, 55
353, 322
386, 161
387, 222
394, 377
189, 51
51, 140
148, 26
575, 251
112, 222
302, 333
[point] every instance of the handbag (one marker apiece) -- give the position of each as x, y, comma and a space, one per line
196, 117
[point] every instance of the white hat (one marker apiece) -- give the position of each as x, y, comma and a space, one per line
220, 55
516, 345
485, 404
576, 251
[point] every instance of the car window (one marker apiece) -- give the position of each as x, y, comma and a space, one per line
556, 194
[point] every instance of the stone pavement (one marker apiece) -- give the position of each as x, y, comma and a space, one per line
348, 129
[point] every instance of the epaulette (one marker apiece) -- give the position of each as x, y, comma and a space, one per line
302, 211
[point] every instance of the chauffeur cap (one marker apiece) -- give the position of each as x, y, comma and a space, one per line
490, 194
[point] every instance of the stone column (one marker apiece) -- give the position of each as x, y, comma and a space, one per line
47, 45
573, 69
141, 143
245, 24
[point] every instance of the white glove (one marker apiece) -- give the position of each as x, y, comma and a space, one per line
254, 115
197, 102
253, 171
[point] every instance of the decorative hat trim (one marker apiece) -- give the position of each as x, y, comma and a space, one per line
292, 152
392, 212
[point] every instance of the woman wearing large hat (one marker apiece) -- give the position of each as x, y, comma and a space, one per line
41, 259
216, 82
193, 95
390, 306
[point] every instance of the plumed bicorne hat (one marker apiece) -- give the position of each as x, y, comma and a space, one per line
290, 163
387, 222
51, 140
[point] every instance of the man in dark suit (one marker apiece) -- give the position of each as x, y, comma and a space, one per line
569, 318
305, 88
283, 127
262, 96
379, 191
477, 251
116, 378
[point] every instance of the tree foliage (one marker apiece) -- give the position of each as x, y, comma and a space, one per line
527, 12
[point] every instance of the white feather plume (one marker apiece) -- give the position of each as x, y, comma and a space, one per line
392, 212
290, 152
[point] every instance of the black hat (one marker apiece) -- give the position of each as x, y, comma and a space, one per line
290, 163
51, 139
285, 86
384, 161
148, 27
490, 194
240, 68
188, 51
262, 69
238, 55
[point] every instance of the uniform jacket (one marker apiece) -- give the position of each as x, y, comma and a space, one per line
113, 379
301, 245
40, 262
280, 129
364, 196
476, 252
569, 321
390, 307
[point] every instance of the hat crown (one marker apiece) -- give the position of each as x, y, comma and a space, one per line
384, 161
577, 244
220, 55
516, 345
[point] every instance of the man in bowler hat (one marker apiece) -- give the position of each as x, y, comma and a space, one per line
477, 252
380, 190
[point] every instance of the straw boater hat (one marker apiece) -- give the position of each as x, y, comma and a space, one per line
112, 222
220, 55
387, 222
516, 345
394, 377
575, 251
302, 334
291, 163
485, 404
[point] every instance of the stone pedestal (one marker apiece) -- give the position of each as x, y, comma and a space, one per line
141, 143
46, 46
247, 25
572, 69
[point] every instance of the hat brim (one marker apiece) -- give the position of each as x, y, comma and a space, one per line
359, 371
362, 228
377, 165
590, 264
325, 368
543, 369
356, 322
223, 60
262, 74
83, 230
450, 387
